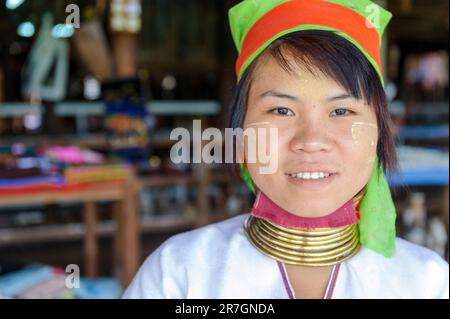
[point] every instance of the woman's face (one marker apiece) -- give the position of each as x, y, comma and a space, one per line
321, 129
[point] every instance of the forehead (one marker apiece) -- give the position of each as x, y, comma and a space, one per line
289, 74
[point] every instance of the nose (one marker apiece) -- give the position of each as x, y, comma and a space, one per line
310, 136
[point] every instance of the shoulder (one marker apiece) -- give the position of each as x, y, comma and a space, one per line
211, 240
418, 254
167, 271
415, 257
208, 239
424, 265
412, 272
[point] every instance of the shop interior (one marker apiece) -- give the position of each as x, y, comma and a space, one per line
90, 91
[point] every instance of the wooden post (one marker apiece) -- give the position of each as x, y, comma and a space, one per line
125, 23
118, 240
128, 234
124, 42
124, 45
90, 239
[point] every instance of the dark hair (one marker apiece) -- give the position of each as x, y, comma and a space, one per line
338, 59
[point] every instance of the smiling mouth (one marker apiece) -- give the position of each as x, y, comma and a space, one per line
311, 175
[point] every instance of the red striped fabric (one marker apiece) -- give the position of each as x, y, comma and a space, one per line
310, 12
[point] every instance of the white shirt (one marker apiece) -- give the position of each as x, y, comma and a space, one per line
218, 261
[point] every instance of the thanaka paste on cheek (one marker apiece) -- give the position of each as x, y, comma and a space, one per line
365, 136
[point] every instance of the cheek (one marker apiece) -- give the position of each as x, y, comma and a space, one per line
364, 138
360, 152
261, 144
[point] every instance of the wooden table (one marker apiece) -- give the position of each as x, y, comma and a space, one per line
123, 195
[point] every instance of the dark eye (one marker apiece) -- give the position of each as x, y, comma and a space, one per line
282, 111
342, 112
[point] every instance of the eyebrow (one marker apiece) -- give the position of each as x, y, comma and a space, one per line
279, 95
339, 97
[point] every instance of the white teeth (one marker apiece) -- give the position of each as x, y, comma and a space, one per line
310, 175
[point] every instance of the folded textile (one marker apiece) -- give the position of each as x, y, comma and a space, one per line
15, 183
98, 288
53, 288
97, 173
12, 284
73, 155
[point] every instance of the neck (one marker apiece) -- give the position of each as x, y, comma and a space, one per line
347, 214
311, 242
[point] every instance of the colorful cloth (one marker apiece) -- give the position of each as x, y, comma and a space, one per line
73, 179
98, 173
255, 24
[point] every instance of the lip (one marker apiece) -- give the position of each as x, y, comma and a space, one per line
311, 168
313, 184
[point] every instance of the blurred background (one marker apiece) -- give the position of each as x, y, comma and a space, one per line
89, 93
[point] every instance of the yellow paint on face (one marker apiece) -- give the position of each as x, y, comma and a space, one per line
365, 136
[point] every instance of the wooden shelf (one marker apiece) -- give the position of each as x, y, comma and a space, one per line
97, 141
91, 192
221, 178
122, 194
124, 199
166, 224
39, 234
76, 231
164, 181
85, 108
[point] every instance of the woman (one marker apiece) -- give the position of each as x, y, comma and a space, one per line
323, 224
